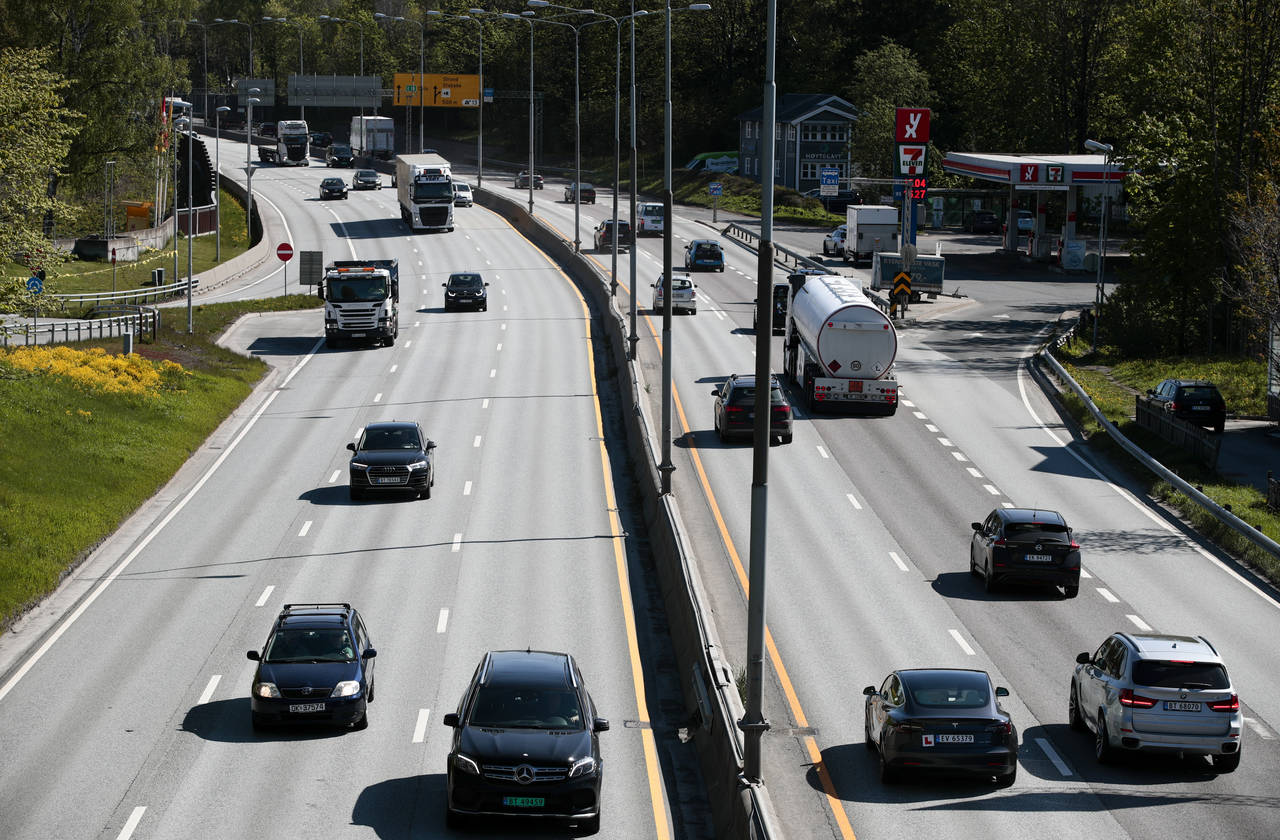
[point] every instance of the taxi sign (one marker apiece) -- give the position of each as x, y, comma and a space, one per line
829, 181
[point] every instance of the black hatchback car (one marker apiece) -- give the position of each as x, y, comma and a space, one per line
585, 193
1194, 400
1027, 545
394, 455
941, 720
465, 289
526, 741
316, 667
366, 179
603, 236
339, 154
735, 409
333, 188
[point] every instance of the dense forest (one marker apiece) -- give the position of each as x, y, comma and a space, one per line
1185, 90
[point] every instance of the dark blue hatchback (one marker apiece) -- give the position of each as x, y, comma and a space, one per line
704, 254
317, 667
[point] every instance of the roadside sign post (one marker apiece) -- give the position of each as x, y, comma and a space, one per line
35, 285
285, 252
113, 271
716, 189
829, 181
911, 135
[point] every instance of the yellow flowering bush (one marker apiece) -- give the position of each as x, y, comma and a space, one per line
98, 370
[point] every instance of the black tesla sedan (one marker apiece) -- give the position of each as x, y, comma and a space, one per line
393, 455
941, 719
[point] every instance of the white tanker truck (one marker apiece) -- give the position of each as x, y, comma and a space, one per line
839, 347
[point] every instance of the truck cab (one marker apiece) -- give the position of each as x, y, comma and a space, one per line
361, 301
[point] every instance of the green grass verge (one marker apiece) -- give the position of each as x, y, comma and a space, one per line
1104, 378
75, 463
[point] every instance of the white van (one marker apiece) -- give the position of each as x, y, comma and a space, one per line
650, 219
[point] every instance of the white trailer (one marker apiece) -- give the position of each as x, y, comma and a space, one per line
839, 346
424, 188
869, 228
373, 137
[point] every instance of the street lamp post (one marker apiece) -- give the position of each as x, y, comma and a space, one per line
248, 162
217, 178
175, 104
1099, 291
528, 20
239, 22
577, 117
480, 104
421, 69
359, 23
204, 38
302, 109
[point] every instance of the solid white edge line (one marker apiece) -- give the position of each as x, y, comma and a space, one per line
131, 824
1054, 757
457, 542
420, 728
209, 689
1139, 623
853, 501
964, 646
266, 593
443, 621
893, 555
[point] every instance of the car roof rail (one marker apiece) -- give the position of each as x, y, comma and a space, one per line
318, 606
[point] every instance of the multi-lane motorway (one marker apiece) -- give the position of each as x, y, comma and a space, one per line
135, 716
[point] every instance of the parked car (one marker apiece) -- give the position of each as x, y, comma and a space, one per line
837, 203
525, 741
522, 181
465, 289
462, 194
393, 455
1026, 545
650, 218
366, 179
603, 236
1026, 221
981, 221
833, 243
588, 193
321, 139
703, 253
1194, 400
316, 667
941, 720
339, 154
684, 294
333, 188
781, 296
1151, 692
735, 409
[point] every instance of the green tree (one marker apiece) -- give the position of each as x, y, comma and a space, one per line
885, 78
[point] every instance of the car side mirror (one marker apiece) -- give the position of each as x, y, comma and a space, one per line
715, 392
451, 719
431, 444
444, 285
369, 653
1001, 691
869, 691
1083, 658
601, 725
254, 655
352, 446
486, 284
977, 526
1151, 392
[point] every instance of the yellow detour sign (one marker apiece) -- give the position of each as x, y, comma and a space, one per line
437, 90
902, 284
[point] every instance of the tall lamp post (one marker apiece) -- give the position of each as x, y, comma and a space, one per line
529, 20
480, 112
302, 109
577, 117
248, 162
217, 178
184, 123
174, 105
359, 23
204, 39
422, 30
239, 22
1099, 291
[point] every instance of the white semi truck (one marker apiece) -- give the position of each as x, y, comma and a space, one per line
869, 228
424, 188
839, 347
373, 137
361, 301
291, 147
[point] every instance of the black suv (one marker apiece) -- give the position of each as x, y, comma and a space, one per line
981, 221
781, 295
317, 667
321, 139
588, 193
1194, 400
735, 408
338, 154
526, 741
603, 237
395, 455
1025, 544
465, 289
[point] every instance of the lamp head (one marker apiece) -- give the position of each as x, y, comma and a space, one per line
222, 109
539, 4
1095, 146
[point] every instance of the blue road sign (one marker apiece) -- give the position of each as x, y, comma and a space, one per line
829, 181
34, 285
488, 94
715, 188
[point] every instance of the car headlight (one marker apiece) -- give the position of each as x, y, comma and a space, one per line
584, 766
356, 465
465, 764
450, 294
266, 690
418, 465
346, 688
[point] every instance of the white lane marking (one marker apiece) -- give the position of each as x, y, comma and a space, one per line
959, 456
151, 535
131, 824
466, 489
853, 501
1053, 756
920, 415
409, 343
973, 471
306, 526
493, 372
504, 326
908, 403
209, 689
823, 452
992, 490
945, 442
476, 443
393, 367
964, 646
504, 291
718, 314
504, 307
335, 475
1108, 596
499, 348
1006, 504
420, 728
377, 397
417, 323
266, 593
485, 404
1260, 730
457, 542
932, 428
443, 621
897, 561
1139, 623
1084, 574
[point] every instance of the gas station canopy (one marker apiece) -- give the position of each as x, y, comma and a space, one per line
1034, 172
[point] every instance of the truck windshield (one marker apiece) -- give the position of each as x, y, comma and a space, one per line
432, 190
350, 289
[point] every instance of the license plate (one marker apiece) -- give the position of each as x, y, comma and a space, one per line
306, 707
954, 739
1181, 706
1039, 558
357, 335
387, 480
1199, 408
524, 801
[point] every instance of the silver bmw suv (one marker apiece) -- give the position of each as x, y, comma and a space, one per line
1158, 693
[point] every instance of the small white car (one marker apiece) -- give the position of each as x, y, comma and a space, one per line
833, 243
461, 194
684, 293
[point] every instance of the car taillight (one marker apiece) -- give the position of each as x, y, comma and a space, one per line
1231, 704
734, 409
1075, 544
781, 410
906, 725
1000, 543
1128, 698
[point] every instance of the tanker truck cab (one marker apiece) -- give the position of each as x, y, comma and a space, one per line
839, 347
361, 301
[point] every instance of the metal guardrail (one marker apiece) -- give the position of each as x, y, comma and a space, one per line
130, 296
141, 321
1151, 415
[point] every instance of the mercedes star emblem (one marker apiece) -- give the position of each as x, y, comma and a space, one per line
524, 774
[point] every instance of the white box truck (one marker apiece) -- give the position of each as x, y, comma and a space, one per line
373, 137
869, 228
839, 347
424, 188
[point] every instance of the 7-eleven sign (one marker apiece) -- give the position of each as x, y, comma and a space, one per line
911, 159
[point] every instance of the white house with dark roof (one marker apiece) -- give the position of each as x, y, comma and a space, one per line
811, 132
